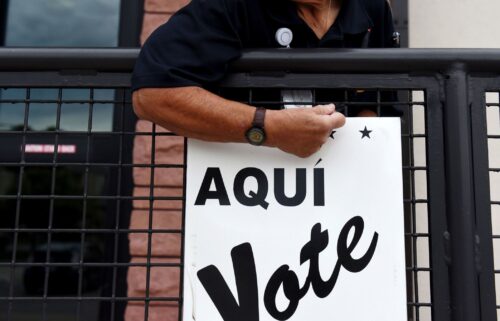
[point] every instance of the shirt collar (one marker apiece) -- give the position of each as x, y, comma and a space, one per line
353, 17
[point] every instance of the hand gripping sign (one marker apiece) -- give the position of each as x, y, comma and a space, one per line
269, 236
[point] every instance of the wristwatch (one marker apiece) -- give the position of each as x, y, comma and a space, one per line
256, 134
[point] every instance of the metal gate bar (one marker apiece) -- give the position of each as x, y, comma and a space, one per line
454, 83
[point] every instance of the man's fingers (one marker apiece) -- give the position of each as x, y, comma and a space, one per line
311, 128
335, 120
339, 120
324, 109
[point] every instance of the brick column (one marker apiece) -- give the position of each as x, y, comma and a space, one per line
164, 281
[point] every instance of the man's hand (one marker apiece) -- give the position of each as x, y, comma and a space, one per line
302, 131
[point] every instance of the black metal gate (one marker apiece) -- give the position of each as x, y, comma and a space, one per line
440, 95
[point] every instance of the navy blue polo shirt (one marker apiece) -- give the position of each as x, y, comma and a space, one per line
195, 47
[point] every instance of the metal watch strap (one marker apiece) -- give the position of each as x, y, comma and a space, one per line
258, 120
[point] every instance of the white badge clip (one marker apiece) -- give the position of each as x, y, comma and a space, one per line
292, 98
284, 37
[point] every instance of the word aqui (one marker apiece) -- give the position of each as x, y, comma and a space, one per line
213, 177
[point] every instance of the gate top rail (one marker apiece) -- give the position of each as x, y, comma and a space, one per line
265, 60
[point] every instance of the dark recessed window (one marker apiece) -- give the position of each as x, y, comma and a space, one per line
62, 23
61, 236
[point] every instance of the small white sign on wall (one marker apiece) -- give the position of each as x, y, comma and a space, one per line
270, 236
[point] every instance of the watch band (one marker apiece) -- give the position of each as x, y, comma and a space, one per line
256, 134
260, 115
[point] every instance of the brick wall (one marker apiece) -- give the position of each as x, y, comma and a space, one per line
164, 281
156, 12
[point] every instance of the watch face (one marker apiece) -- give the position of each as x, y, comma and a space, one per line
256, 136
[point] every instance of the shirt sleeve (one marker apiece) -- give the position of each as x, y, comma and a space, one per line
193, 48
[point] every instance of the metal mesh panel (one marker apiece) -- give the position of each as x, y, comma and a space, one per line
416, 211
78, 242
493, 120
66, 198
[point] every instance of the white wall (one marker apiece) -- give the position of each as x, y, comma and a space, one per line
454, 23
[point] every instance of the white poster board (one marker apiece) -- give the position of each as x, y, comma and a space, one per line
270, 236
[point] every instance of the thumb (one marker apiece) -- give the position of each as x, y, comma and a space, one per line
324, 109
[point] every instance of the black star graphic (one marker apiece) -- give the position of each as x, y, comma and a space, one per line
331, 135
366, 133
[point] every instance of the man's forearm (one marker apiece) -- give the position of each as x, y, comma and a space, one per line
196, 113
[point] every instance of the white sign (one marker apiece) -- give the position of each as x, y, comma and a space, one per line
270, 236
